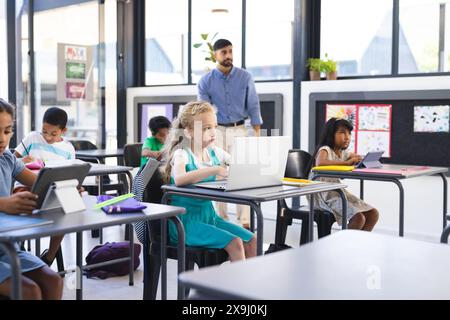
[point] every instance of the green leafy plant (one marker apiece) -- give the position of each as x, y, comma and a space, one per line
208, 43
329, 65
315, 64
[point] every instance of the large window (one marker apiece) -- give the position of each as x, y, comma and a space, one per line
268, 48
75, 66
268, 33
420, 31
3, 52
211, 17
166, 41
358, 34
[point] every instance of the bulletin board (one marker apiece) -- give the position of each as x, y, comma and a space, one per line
371, 125
419, 123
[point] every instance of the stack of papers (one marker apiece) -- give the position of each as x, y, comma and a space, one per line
62, 163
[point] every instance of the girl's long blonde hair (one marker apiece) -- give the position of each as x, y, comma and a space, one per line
177, 137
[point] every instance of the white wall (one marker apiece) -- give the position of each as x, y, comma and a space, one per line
284, 88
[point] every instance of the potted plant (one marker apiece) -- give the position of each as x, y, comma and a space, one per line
208, 44
315, 68
330, 68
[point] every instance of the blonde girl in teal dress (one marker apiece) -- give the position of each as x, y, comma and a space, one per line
192, 157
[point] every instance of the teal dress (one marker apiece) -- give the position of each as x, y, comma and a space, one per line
203, 227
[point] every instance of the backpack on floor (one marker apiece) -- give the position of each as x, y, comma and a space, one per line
111, 251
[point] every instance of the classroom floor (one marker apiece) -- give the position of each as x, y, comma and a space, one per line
423, 221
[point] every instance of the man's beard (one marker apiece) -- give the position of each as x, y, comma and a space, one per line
226, 63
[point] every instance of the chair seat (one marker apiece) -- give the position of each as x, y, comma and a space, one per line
192, 253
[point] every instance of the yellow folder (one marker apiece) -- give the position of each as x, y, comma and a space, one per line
298, 182
334, 168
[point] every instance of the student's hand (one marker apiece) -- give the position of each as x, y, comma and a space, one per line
80, 190
354, 160
222, 172
21, 202
159, 156
28, 159
20, 189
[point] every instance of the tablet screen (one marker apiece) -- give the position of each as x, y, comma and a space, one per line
47, 176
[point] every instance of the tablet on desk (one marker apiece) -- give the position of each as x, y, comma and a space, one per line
370, 160
48, 175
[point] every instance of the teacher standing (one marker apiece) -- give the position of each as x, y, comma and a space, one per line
232, 90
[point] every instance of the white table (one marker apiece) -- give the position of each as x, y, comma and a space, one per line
345, 265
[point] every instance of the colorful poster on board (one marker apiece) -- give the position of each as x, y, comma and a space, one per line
348, 112
75, 53
374, 117
75, 72
75, 90
341, 111
369, 141
431, 118
371, 126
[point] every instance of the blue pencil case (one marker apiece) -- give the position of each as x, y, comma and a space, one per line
125, 206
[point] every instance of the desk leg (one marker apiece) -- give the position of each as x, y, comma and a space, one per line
146, 291
361, 189
311, 219
79, 261
402, 207
252, 220
445, 234
16, 279
280, 226
444, 180
37, 249
131, 265
181, 254
344, 208
259, 227
163, 259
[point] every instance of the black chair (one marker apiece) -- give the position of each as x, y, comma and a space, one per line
132, 155
92, 189
202, 257
83, 145
298, 166
131, 158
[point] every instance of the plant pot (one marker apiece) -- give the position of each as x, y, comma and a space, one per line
314, 75
332, 75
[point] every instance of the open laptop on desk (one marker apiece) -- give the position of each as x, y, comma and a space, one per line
370, 160
256, 162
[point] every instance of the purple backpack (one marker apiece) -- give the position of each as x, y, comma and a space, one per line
110, 251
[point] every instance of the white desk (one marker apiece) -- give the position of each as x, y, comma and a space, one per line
345, 265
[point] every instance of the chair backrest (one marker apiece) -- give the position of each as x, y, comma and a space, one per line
132, 154
83, 145
298, 164
150, 193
